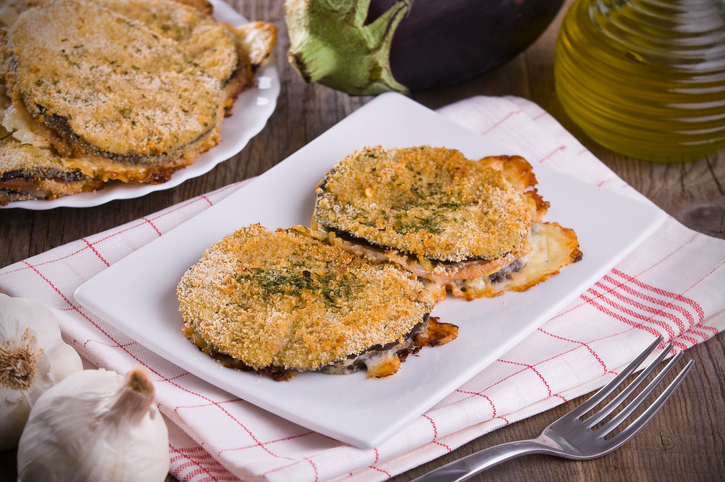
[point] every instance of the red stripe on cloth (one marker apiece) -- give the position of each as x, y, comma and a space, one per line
649, 309
372, 466
498, 123
531, 367
662, 292
688, 338
387, 474
657, 301
284, 439
493, 406
314, 468
241, 425
714, 330
296, 462
229, 478
153, 226
511, 375
701, 334
183, 206
526, 367
200, 467
478, 394
143, 222
116, 345
616, 316
679, 345
672, 253
203, 405
560, 148
94, 250
646, 319
122, 231
435, 434
192, 476
585, 345
197, 448
27, 266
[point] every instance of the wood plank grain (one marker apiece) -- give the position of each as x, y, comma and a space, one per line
685, 441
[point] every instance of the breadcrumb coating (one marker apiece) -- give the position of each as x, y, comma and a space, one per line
205, 41
107, 84
429, 202
287, 299
29, 172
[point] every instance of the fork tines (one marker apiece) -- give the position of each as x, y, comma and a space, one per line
602, 394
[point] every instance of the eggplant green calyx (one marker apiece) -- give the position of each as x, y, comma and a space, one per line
330, 44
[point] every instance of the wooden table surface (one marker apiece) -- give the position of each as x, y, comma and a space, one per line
685, 441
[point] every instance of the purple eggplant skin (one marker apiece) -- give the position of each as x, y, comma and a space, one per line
444, 42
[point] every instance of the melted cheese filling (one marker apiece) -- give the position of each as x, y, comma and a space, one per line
16, 123
550, 248
553, 248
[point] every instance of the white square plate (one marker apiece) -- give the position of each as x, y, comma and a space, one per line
353, 409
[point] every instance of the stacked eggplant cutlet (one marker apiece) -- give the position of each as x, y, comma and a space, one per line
472, 227
282, 302
128, 90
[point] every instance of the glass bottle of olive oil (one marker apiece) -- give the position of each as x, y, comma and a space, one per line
645, 78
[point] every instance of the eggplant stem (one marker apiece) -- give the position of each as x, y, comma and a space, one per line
330, 44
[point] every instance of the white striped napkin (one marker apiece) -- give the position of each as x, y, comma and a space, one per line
673, 284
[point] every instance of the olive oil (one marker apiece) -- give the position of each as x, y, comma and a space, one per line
645, 78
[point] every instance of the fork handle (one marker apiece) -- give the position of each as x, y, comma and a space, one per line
470, 465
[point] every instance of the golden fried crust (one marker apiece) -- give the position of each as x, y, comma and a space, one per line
109, 86
254, 42
548, 247
554, 247
520, 174
202, 5
257, 39
429, 202
285, 299
205, 41
28, 172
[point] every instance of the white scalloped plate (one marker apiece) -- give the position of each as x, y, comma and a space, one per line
353, 409
250, 113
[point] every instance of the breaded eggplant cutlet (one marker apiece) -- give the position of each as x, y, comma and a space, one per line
283, 302
30, 172
217, 48
472, 227
133, 90
108, 87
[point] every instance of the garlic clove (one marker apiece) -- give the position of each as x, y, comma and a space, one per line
33, 357
64, 360
96, 425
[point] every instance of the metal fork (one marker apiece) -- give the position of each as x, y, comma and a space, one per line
570, 436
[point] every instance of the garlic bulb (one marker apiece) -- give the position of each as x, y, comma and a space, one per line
96, 426
33, 357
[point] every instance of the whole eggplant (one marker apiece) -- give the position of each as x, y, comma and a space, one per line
365, 47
